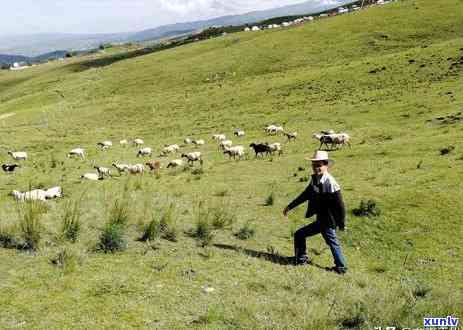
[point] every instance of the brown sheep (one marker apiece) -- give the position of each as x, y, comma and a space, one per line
154, 165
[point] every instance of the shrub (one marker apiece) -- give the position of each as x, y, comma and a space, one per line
203, 231
7, 239
152, 230
367, 209
222, 218
66, 259
270, 200
119, 213
71, 221
245, 232
168, 225
112, 238
29, 224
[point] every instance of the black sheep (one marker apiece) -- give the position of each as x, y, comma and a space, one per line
9, 167
260, 148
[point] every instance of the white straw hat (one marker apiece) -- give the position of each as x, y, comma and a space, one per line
320, 155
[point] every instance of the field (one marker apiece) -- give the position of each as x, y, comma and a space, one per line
391, 76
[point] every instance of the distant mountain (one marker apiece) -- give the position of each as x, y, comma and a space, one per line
10, 59
36, 44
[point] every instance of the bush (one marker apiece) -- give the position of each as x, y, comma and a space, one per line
168, 225
246, 232
29, 224
7, 239
112, 238
222, 218
152, 230
119, 213
66, 259
71, 221
203, 232
367, 209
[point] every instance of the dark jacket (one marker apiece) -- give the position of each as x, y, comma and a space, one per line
328, 206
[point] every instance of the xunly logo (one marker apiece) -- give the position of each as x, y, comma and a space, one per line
448, 321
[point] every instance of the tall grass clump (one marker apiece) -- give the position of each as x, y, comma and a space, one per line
203, 231
246, 232
168, 224
367, 209
270, 200
71, 224
112, 238
7, 238
30, 227
66, 259
222, 217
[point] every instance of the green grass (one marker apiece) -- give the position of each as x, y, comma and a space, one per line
403, 264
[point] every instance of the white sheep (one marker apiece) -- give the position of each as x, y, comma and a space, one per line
105, 145
168, 149
54, 192
144, 152
136, 169
235, 151
175, 163
138, 142
274, 130
192, 157
18, 155
290, 135
33, 195
91, 176
121, 167
239, 133
225, 144
123, 142
199, 142
102, 170
275, 147
77, 152
219, 137
188, 141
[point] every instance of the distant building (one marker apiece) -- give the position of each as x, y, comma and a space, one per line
255, 28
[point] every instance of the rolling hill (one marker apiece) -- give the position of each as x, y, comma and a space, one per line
219, 253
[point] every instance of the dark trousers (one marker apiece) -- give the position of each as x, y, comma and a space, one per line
329, 235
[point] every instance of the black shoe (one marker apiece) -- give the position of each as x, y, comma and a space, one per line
302, 261
337, 270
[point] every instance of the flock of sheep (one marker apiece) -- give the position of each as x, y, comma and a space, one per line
328, 138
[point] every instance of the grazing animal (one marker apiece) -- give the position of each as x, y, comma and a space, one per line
105, 145
54, 192
123, 142
239, 133
324, 139
102, 170
188, 141
138, 142
342, 139
154, 165
9, 167
235, 151
260, 148
18, 155
274, 147
136, 169
77, 152
144, 152
121, 167
273, 129
219, 137
91, 176
290, 135
169, 149
199, 142
175, 163
225, 144
192, 157
33, 195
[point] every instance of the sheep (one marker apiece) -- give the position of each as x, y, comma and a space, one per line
136, 169
35, 195
91, 176
327, 132
275, 147
273, 129
54, 192
192, 157
102, 170
235, 151
188, 141
199, 142
239, 133
121, 167
123, 142
341, 139
144, 152
138, 142
105, 145
324, 140
154, 165
219, 137
290, 135
9, 167
18, 155
77, 152
175, 163
260, 148
169, 149
225, 144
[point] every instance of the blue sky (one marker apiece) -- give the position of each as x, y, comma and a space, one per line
103, 16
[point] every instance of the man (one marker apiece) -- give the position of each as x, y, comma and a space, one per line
325, 200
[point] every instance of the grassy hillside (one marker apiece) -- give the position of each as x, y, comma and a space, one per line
384, 75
